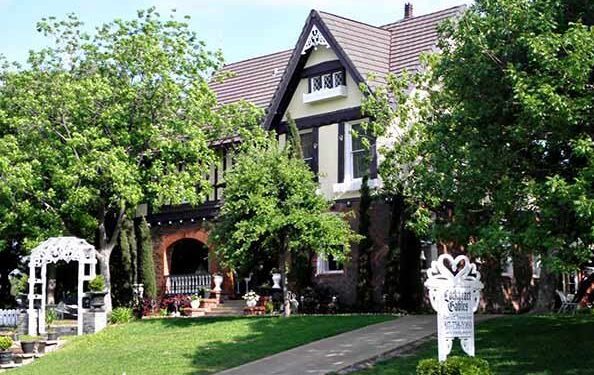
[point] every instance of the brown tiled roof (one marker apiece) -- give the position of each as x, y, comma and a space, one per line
374, 50
412, 36
254, 80
367, 46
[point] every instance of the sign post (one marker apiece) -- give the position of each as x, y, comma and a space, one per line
454, 291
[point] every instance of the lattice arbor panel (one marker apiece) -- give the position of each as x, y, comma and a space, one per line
53, 250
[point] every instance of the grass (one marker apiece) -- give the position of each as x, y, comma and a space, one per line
526, 345
189, 346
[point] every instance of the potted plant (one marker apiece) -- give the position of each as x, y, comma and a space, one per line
98, 292
251, 298
50, 318
5, 353
276, 278
195, 301
218, 281
28, 343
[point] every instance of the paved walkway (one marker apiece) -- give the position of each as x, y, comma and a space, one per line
346, 350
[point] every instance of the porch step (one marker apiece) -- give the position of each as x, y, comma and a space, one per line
229, 308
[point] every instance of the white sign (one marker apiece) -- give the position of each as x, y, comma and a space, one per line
454, 291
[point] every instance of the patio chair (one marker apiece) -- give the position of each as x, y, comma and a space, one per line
567, 304
66, 311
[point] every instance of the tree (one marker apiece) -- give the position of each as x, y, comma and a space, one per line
147, 262
271, 209
364, 274
103, 122
495, 139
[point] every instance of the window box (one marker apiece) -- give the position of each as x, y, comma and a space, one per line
325, 94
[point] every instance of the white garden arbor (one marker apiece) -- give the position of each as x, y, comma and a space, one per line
53, 250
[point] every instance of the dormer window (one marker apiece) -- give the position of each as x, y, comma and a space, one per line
326, 81
325, 86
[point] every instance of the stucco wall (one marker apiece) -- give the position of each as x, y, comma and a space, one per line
298, 109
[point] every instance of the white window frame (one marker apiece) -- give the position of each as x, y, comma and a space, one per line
350, 183
322, 266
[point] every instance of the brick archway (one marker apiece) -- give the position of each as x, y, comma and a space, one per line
163, 241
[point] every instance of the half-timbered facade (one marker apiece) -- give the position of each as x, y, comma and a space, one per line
317, 82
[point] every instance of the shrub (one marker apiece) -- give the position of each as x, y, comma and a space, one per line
121, 315
147, 265
454, 366
19, 285
97, 284
429, 367
175, 303
5, 343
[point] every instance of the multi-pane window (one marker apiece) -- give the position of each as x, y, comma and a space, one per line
327, 81
307, 147
358, 152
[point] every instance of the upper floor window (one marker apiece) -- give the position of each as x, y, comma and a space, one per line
359, 160
326, 81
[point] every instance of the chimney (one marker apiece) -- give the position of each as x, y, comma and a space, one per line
408, 10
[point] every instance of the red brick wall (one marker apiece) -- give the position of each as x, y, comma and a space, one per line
163, 239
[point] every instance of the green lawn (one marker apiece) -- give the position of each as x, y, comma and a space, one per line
189, 346
551, 345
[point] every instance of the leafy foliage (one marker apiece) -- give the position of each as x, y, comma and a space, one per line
97, 123
147, 263
5, 342
364, 274
454, 366
495, 139
121, 315
97, 284
271, 208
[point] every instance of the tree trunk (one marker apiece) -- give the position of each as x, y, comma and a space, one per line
106, 246
103, 259
545, 299
283, 271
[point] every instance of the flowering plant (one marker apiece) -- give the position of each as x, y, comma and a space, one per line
251, 296
195, 297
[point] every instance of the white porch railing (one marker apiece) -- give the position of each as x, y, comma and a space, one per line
9, 318
187, 284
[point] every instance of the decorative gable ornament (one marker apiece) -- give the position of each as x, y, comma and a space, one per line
314, 39
454, 291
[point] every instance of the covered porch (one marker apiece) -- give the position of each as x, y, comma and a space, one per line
184, 263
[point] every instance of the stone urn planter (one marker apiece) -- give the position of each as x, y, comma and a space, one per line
195, 303
97, 291
251, 303
98, 300
276, 278
218, 281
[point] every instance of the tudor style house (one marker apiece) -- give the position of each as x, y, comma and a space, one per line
317, 82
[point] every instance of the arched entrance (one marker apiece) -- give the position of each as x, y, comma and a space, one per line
189, 271
188, 256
